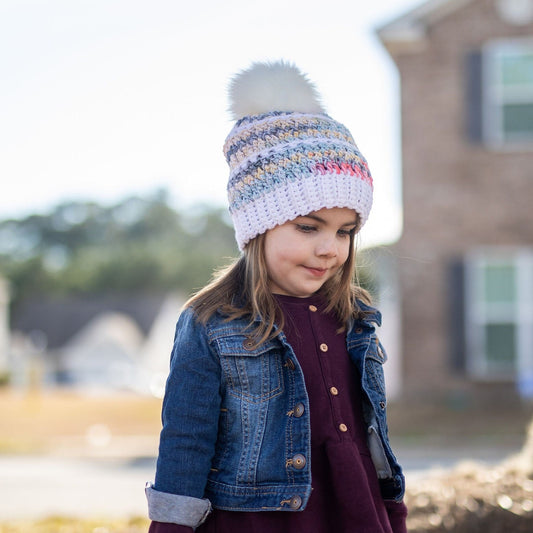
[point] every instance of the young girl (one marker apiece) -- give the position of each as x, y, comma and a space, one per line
274, 413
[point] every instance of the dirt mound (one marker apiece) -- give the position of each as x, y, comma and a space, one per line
475, 498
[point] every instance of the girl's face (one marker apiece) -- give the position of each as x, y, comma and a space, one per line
302, 254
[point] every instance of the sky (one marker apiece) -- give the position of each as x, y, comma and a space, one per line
103, 99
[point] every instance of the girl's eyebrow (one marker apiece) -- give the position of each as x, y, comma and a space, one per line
319, 219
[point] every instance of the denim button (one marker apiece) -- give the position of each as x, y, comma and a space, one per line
382, 405
295, 502
299, 461
248, 344
290, 364
299, 410
359, 330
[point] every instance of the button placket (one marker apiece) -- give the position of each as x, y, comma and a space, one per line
326, 351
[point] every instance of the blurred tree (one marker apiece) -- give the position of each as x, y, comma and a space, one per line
139, 244
136, 245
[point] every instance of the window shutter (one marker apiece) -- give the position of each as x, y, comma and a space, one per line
474, 96
456, 315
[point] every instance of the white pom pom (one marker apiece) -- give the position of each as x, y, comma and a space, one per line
266, 87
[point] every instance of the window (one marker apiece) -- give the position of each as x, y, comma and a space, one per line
507, 103
499, 314
499, 94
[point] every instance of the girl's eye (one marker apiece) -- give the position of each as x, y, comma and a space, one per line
346, 232
305, 228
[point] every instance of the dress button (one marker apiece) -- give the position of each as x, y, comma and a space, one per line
295, 502
324, 347
334, 391
298, 461
299, 409
343, 428
313, 308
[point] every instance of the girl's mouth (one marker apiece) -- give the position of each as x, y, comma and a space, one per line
317, 272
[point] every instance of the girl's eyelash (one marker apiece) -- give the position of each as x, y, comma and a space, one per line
346, 232
305, 228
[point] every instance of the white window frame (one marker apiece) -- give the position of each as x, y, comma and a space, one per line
519, 313
493, 97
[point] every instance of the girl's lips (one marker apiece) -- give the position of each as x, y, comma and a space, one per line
317, 272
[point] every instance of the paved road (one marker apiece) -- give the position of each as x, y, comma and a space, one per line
33, 487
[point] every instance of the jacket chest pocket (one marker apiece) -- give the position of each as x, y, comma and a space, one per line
252, 374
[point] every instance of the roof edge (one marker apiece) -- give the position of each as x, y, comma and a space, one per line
411, 27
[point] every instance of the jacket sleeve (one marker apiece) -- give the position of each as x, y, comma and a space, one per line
190, 413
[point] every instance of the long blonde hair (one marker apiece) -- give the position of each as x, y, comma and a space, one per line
242, 290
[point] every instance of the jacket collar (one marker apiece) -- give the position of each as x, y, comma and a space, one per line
370, 314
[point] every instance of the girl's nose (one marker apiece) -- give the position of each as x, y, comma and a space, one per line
327, 247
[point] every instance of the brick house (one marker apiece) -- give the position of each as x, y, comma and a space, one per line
465, 257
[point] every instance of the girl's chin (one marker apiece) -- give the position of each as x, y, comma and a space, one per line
300, 292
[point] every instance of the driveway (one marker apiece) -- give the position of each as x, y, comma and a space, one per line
37, 486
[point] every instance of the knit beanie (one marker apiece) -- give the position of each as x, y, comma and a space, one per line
287, 157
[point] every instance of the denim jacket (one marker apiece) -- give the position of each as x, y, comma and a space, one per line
230, 437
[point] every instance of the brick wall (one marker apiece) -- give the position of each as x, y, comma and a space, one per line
456, 194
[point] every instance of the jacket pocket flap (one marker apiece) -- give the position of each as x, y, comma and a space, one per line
242, 346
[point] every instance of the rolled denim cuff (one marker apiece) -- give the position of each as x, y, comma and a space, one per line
176, 509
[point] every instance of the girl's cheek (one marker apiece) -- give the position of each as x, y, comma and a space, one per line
345, 252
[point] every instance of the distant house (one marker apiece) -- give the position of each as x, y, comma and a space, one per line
105, 342
465, 258
104, 353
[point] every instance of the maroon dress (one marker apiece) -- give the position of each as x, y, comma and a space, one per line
346, 496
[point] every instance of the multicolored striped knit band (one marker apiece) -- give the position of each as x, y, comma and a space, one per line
288, 164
